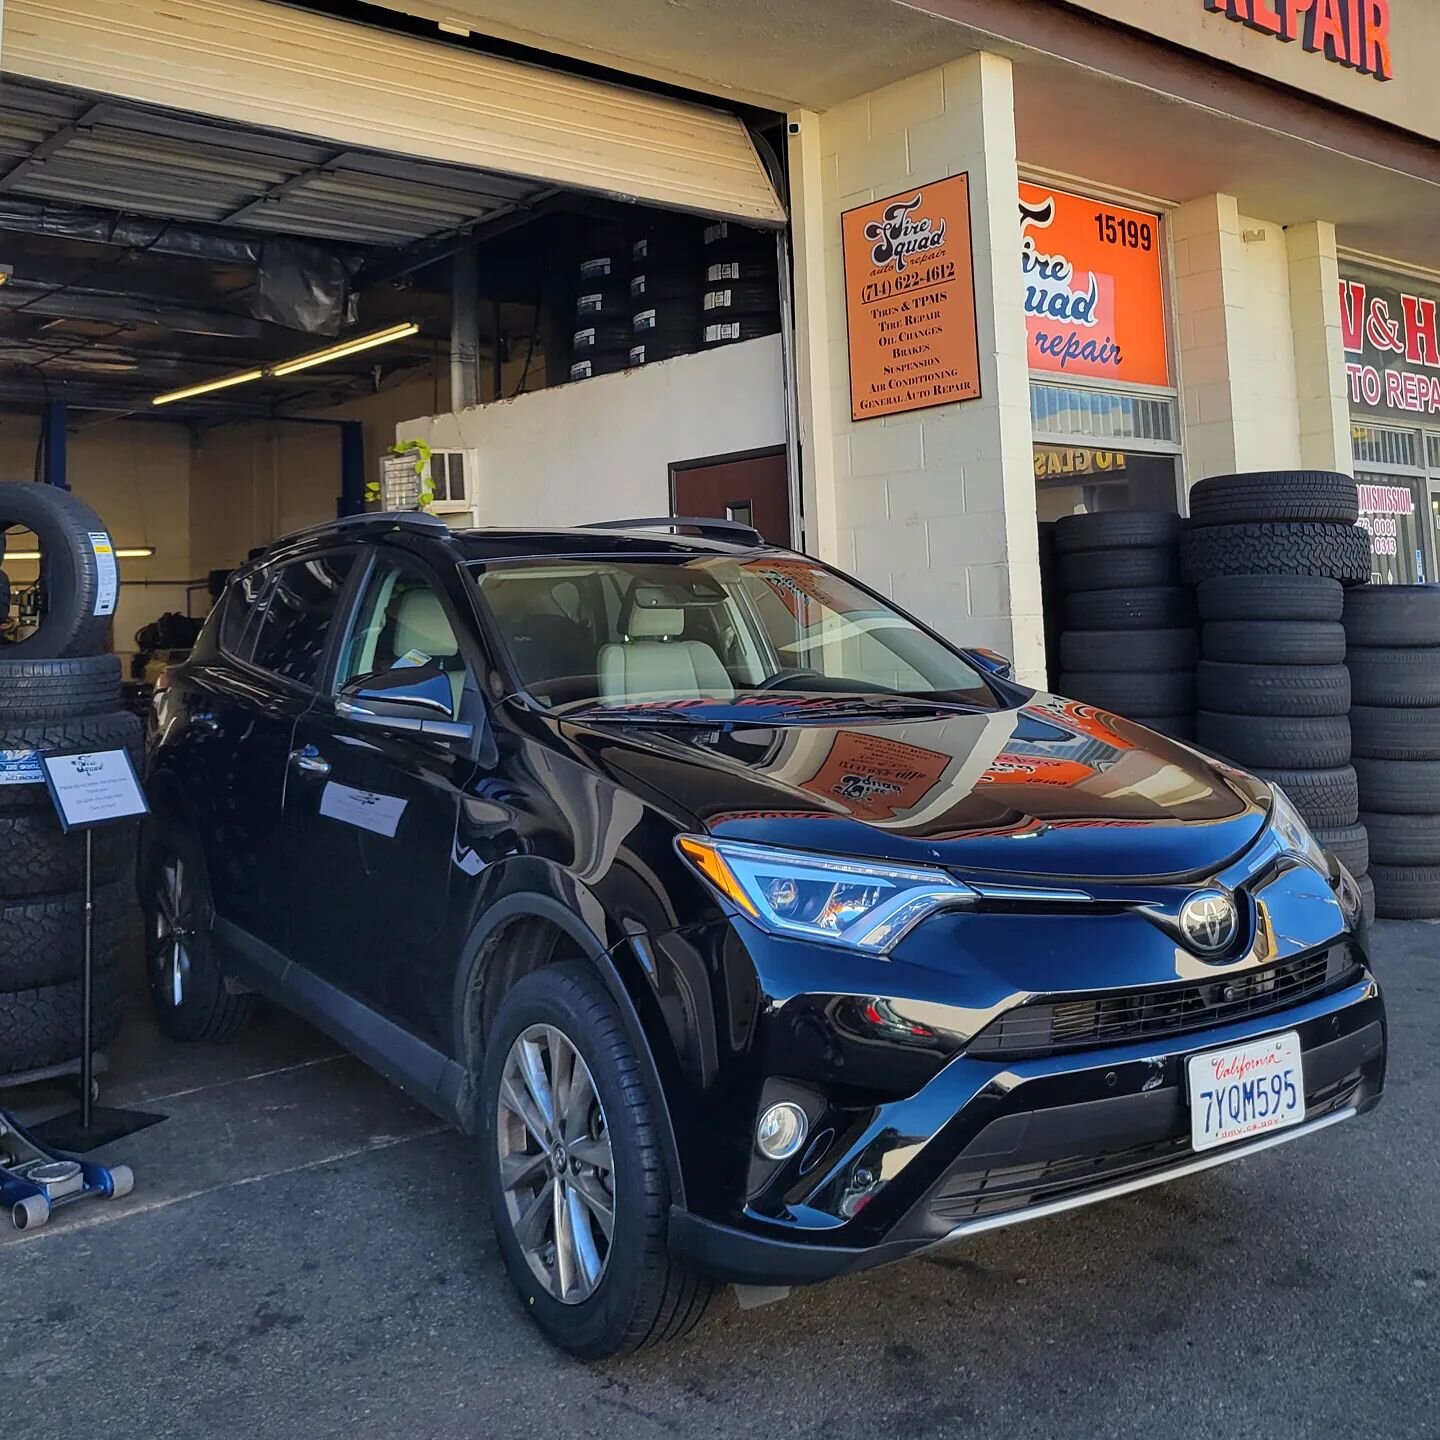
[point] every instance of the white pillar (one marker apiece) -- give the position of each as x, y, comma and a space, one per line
1324, 405
936, 507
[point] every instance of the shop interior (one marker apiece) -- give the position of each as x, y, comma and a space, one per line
211, 331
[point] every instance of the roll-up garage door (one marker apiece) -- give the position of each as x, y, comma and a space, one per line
258, 63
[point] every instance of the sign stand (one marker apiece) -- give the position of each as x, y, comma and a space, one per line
90, 790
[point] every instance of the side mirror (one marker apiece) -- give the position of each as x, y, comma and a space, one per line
1002, 667
413, 699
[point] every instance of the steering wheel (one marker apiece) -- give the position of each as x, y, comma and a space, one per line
773, 682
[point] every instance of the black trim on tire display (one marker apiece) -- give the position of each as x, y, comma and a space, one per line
1349, 844
42, 939
1117, 569
634, 1294
79, 577
1393, 615
1273, 690
41, 1025
1285, 495
58, 689
1405, 678
1117, 530
1270, 597
1399, 787
1139, 650
64, 737
1406, 892
1403, 839
1383, 732
1274, 642
1341, 552
1283, 741
1155, 608
1325, 798
1133, 693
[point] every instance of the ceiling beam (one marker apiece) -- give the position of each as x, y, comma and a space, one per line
76, 303
278, 192
81, 125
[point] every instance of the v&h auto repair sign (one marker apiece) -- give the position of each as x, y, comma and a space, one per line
1392, 347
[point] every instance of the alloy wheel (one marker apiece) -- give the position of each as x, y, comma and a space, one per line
173, 931
556, 1164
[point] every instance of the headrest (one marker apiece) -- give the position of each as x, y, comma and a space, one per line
658, 620
421, 624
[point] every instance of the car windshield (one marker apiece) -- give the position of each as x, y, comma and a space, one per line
697, 633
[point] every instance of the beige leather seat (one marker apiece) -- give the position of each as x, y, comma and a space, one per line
649, 664
421, 624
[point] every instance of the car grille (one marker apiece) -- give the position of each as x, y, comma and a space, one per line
971, 1194
1089, 1022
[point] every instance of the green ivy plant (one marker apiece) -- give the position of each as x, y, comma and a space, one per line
422, 452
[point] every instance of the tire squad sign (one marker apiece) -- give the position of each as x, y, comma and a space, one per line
1392, 348
910, 300
1094, 288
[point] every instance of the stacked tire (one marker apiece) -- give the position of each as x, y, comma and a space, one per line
741, 297
600, 338
1393, 632
56, 698
1128, 642
665, 298
1271, 555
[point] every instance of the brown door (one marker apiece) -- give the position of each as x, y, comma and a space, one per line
753, 489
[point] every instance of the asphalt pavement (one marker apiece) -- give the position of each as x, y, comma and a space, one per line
307, 1255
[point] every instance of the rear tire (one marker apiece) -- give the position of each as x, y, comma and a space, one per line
187, 985
641, 1295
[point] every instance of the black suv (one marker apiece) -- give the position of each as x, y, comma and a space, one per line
757, 933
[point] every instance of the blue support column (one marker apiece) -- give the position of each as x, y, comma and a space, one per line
53, 429
352, 468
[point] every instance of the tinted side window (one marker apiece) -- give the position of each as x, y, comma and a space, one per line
292, 632
239, 613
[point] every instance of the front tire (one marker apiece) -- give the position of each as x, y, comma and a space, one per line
574, 1172
187, 986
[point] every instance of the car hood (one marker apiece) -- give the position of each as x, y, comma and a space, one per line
1049, 789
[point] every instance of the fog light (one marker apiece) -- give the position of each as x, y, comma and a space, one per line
781, 1131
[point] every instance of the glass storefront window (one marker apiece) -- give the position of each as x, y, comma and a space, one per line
1070, 479
1392, 509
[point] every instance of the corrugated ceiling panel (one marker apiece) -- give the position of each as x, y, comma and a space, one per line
262, 64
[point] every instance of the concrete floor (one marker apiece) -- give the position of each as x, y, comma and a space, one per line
305, 1255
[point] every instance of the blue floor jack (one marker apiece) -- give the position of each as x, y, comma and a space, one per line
34, 1179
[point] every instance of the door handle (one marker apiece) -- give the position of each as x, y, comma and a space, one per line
310, 760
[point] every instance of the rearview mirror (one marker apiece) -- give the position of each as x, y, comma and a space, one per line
412, 699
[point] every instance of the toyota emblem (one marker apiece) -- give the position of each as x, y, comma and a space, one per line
1209, 921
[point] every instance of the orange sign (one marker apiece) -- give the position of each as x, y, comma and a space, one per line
910, 300
1094, 288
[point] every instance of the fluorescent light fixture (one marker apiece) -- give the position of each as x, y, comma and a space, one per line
129, 552
240, 377
6, 271
344, 348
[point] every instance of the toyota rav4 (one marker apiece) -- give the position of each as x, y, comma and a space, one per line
757, 933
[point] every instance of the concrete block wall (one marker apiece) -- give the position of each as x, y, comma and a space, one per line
1323, 406
935, 507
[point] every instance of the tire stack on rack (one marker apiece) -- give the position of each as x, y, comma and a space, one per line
1271, 554
741, 296
58, 696
1394, 658
1128, 643
600, 340
665, 298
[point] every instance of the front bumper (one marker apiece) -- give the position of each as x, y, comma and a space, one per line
990, 1144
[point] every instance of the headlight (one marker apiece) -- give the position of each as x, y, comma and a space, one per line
1294, 834
847, 902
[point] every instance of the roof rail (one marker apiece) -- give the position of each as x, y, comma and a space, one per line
709, 528
404, 519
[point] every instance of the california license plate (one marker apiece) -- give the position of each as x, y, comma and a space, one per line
1243, 1091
